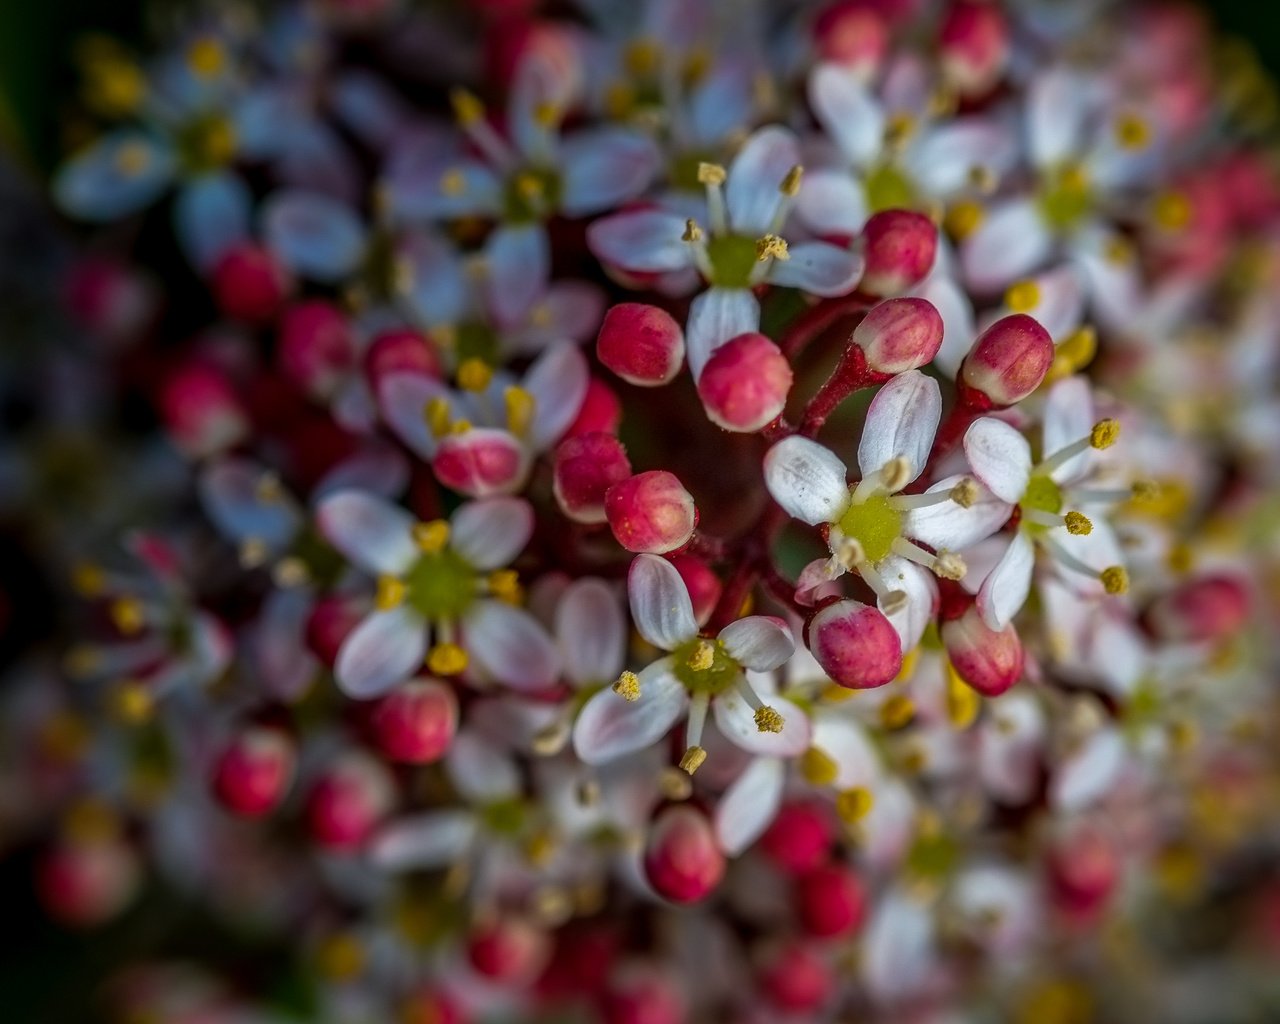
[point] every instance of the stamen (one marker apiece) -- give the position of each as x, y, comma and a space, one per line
132, 159
627, 687
818, 767
963, 702
713, 177
1078, 524
88, 580
453, 182
1022, 297
675, 784
964, 218
702, 657
852, 805
474, 374
290, 572
946, 564
897, 711
447, 659
1132, 132
127, 614
965, 493
950, 566
1104, 433
520, 409
588, 792
848, 552
504, 584
891, 601
132, 702
432, 537
438, 416
551, 738
771, 247
896, 474
696, 722
469, 112
391, 593
692, 760
1115, 579
790, 186
769, 720
903, 502
268, 489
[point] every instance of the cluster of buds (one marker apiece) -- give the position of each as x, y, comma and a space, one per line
766, 510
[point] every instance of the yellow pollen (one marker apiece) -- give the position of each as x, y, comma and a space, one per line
696, 65
127, 614
909, 662
133, 702
1145, 490
1171, 211
692, 233
983, 178
768, 720
341, 957
1104, 433
711, 174
1022, 297
520, 406
963, 219
88, 580
1075, 179
1181, 557
290, 572
90, 820
1183, 735
437, 416
218, 143
949, 566
963, 702
391, 593
1078, 524
206, 57
64, 737
542, 315
529, 186
627, 687
619, 99
897, 711
432, 537
539, 847
467, 107
268, 489
116, 87
547, 115
453, 182
702, 657
132, 159
965, 493
772, 247
818, 767
833, 693
675, 784
692, 760
1115, 579
1132, 132
504, 584
854, 804
1079, 347
791, 183
1118, 251
460, 427
474, 374
896, 473
253, 552
899, 128
641, 57
447, 660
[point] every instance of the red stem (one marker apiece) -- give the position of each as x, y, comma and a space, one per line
810, 324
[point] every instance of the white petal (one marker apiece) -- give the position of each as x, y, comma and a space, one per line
844, 741
958, 329
660, 604
1010, 243
403, 399
377, 468
1089, 773
118, 175
715, 316
921, 589
752, 192
280, 654
848, 113
646, 241
943, 162
481, 771
952, 527
806, 479
609, 727
1010, 742
517, 268
314, 235
1068, 416
510, 645
490, 532
558, 382
736, 721
1061, 305
1000, 458
436, 839
818, 268
1057, 112
211, 214
901, 423
385, 649
1005, 590
604, 167
591, 631
831, 202
898, 949
373, 533
759, 642
229, 491
749, 806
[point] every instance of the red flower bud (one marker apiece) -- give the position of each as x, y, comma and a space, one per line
745, 383
899, 248
249, 284
797, 979
202, 413
899, 335
510, 950
641, 996
403, 350
254, 771
832, 901
315, 347
1006, 363
109, 298
973, 45
1083, 871
651, 512
83, 883
585, 468
601, 410
642, 344
988, 661
332, 618
851, 34
415, 723
348, 801
682, 859
855, 644
480, 462
703, 584
1200, 610
800, 837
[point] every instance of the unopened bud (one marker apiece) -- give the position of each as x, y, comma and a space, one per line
798, 980
585, 468
348, 801
402, 350
899, 249
745, 383
682, 861
315, 347
642, 344
1200, 610
832, 901
855, 645
1007, 362
415, 723
249, 284
899, 335
853, 35
510, 950
480, 462
201, 412
703, 584
253, 772
973, 45
988, 660
651, 512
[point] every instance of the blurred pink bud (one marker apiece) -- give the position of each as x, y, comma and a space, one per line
651, 512
200, 410
480, 462
315, 347
797, 979
641, 996
1006, 363
900, 246
510, 950
415, 723
642, 344
703, 584
855, 644
831, 900
899, 335
585, 468
987, 660
601, 410
249, 284
1199, 610
254, 771
851, 34
110, 298
973, 45
745, 383
84, 882
348, 801
332, 618
1083, 870
682, 860
801, 836
400, 350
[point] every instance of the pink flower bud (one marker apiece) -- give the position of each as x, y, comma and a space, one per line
253, 773
682, 860
509, 950
83, 883
415, 723
651, 512
988, 661
745, 383
800, 838
109, 298
249, 284
641, 995
480, 462
831, 901
797, 979
973, 45
899, 335
1006, 363
348, 801
855, 644
601, 410
1209, 608
1083, 870
585, 468
202, 413
642, 344
332, 618
851, 34
703, 584
900, 246
402, 350
315, 347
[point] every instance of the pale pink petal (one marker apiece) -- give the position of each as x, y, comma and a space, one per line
1005, 590
1068, 416
645, 241
807, 480
831, 202
510, 645
758, 642
1089, 774
715, 316
749, 805
752, 192
1057, 114
558, 383
591, 631
999, 456
901, 423
922, 597
436, 839
958, 329
818, 268
952, 527
943, 162
517, 268
402, 400
848, 112
660, 604
385, 649
1009, 244
898, 949
844, 741
371, 532
735, 719
1009, 753
610, 727
490, 532
481, 771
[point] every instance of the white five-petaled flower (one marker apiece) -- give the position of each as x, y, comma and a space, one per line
738, 248
446, 578
874, 529
698, 674
1046, 493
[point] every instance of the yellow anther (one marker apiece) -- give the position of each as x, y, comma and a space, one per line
64, 737
818, 767
82, 660
474, 374
217, 142
459, 427
550, 739
504, 584
692, 760
447, 660
542, 315
391, 593
963, 219
467, 107
910, 660
437, 416
127, 614
965, 493
702, 657
1074, 179
1078, 524
791, 183
1132, 132
520, 407
133, 702
697, 64
268, 489
675, 784
432, 537
896, 473
834, 693
627, 686
963, 702
1181, 557
899, 128
769, 720
1079, 347
692, 233
1171, 211
949, 566
1022, 297
116, 87
897, 711
341, 957
132, 158
854, 804
546, 114
1115, 580
91, 820
1118, 251
1183, 734
641, 57
1104, 433
290, 572
539, 847
253, 552
1145, 490
453, 182
772, 247
88, 580
983, 178
711, 174
206, 57
530, 186
619, 99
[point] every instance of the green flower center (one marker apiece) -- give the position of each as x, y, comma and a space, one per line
532, 194
888, 188
1043, 495
1065, 198
440, 586
476, 341
704, 666
206, 142
874, 524
504, 817
732, 258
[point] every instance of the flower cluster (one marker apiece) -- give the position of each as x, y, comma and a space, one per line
911, 658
